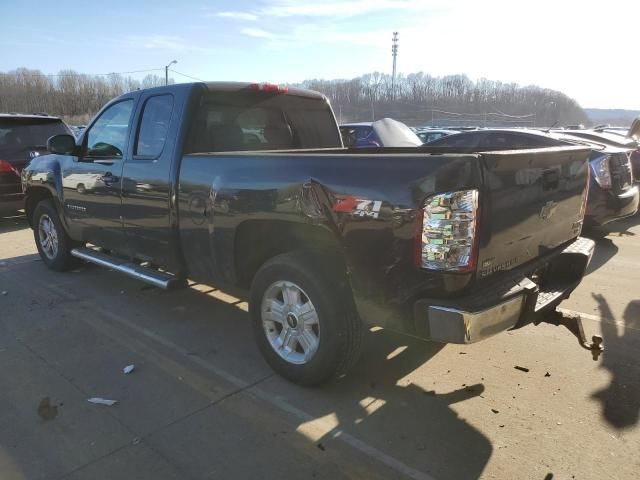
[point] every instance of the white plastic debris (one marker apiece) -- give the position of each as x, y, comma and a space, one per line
102, 401
128, 369
4, 292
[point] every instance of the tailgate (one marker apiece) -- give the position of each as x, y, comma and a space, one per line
532, 204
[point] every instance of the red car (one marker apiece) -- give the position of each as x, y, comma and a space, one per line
22, 137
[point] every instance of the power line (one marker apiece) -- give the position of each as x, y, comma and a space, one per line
188, 76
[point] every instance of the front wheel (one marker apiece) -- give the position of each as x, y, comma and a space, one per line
54, 245
304, 322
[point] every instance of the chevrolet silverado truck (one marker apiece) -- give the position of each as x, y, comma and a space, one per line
249, 186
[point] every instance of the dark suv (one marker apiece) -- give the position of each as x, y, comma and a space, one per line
22, 137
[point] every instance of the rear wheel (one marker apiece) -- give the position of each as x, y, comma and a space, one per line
54, 245
304, 322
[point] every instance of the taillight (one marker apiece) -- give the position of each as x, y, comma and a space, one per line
601, 171
269, 87
447, 232
6, 167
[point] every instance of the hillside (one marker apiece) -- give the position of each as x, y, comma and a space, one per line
618, 117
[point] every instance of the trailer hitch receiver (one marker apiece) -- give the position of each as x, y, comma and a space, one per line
573, 323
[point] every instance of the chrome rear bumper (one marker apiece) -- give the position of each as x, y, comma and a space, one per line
526, 302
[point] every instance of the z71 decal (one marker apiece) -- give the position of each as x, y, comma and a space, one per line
359, 207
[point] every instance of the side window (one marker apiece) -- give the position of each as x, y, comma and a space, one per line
154, 125
107, 137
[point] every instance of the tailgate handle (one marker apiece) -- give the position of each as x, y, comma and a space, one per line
550, 179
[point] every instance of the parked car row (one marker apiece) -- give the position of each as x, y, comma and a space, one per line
612, 193
614, 161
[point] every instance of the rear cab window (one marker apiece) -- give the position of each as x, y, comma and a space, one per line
246, 120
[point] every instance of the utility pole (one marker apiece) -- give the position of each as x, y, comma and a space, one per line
394, 54
166, 72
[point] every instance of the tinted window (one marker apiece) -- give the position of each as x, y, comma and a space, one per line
107, 137
18, 135
253, 120
461, 140
154, 126
515, 141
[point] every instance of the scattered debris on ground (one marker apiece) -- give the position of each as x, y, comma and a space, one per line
522, 369
321, 447
128, 369
102, 401
495, 410
547, 374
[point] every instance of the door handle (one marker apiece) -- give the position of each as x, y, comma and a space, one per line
108, 179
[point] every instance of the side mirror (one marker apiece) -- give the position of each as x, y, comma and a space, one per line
634, 130
61, 144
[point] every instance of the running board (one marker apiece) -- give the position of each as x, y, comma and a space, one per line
163, 280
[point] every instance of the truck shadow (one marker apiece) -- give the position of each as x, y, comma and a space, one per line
621, 398
380, 403
384, 404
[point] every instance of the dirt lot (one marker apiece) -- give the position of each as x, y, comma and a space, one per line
201, 403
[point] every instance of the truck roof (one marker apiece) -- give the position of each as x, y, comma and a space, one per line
237, 86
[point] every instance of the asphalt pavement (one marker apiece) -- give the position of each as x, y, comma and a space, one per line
201, 402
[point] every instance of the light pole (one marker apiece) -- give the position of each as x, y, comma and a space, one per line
166, 72
394, 54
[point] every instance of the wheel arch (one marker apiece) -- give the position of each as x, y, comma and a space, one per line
257, 241
33, 196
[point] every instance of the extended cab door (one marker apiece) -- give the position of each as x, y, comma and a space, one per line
92, 181
146, 189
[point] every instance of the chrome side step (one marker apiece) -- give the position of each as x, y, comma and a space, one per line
163, 280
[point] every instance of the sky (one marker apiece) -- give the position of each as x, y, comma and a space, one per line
586, 49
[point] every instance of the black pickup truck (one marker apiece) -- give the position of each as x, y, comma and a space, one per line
248, 185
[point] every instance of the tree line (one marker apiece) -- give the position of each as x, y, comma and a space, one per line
416, 98
422, 99
74, 96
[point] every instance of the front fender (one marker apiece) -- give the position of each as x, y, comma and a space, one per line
42, 178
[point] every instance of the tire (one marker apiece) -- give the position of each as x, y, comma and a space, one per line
55, 252
338, 330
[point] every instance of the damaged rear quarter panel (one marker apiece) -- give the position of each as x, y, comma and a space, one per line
366, 202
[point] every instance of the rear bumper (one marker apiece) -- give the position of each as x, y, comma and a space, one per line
11, 203
604, 206
512, 303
